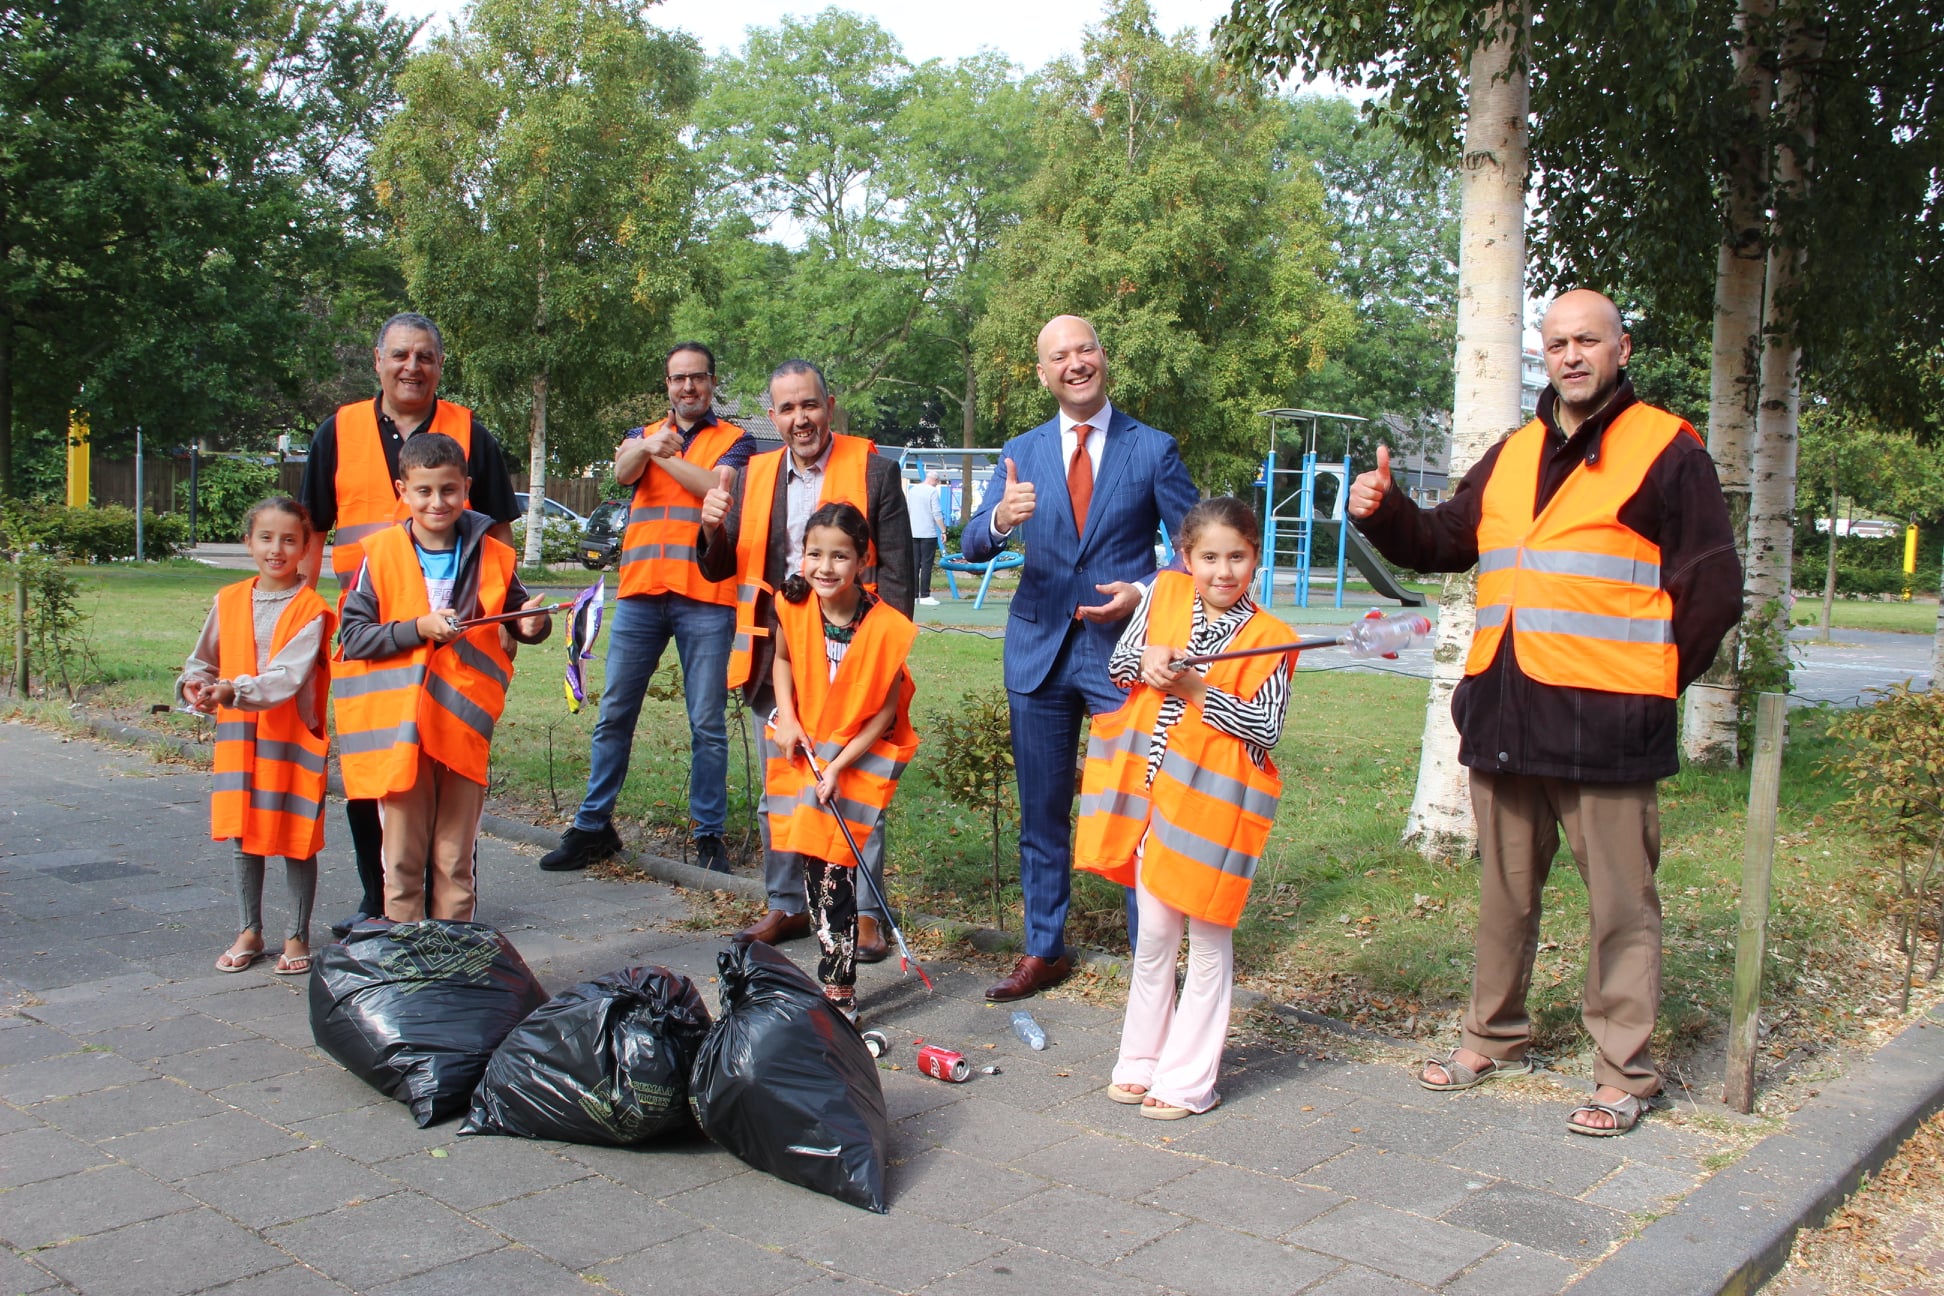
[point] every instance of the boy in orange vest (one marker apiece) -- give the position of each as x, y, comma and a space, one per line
416, 698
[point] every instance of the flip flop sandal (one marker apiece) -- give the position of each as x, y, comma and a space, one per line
1626, 1114
1125, 1095
288, 966
1155, 1109
235, 960
1459, 1076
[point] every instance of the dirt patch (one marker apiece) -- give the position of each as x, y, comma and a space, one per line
1889, 1237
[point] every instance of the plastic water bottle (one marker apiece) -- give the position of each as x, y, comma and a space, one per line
1028, 1030
1387, 636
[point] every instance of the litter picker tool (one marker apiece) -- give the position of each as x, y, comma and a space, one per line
514, 615
906, 963
1372, 637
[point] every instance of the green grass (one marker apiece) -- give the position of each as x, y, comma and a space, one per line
1919, 616
1344, 919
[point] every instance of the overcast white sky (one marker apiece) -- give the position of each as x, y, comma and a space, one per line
1030, 32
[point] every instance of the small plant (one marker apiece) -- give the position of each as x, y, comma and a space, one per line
974, 767
57, 628
1893, 765
1765, 668
226, 487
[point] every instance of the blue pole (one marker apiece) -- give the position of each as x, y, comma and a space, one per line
1306, 529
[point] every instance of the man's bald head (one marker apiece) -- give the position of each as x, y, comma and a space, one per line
1580, 301
1586, 346
1072, 366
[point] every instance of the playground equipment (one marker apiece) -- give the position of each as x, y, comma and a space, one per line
1292, 519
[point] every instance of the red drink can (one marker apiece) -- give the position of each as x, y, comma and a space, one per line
944, 1064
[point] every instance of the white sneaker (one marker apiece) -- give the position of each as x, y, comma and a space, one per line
929, 601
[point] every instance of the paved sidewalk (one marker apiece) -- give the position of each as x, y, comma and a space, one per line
167, 1129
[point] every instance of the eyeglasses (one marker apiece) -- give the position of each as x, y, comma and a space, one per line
678, 380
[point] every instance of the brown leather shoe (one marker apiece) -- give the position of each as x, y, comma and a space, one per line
1029, 976
871, 947
777, 927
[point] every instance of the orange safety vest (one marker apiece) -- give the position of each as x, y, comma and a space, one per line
832, 713
658, 550
269, 792
367, 502
443, 699
1206, 819
1579, 591
843, 482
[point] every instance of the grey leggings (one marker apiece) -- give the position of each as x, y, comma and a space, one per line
301, 875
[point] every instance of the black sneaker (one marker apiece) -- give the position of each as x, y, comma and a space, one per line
579, 848
342, 927
711, 854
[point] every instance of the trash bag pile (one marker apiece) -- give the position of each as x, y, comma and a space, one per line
606, 1062
416, 1009
785, 1082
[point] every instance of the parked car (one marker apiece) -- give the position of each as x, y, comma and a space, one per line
553, 510
600, 542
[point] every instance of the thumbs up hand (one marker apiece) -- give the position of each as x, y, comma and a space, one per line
1368, 491
1018, 502
716, 504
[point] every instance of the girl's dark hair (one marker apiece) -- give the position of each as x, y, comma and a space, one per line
844, 517
276, 504
1222, 510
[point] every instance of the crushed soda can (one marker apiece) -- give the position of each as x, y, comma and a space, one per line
944, 1064
989, 1070
876, 1043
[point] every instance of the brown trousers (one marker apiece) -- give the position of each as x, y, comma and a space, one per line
1614, 832
430, 829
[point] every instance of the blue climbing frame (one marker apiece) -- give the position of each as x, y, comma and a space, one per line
1291, 469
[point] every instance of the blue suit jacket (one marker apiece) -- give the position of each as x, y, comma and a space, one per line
1141, 484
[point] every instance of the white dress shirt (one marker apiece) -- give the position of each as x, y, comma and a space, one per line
1097, 422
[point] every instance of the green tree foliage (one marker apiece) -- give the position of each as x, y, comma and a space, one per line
1165, 211
543, 206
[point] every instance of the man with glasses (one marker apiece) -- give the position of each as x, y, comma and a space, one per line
672, 465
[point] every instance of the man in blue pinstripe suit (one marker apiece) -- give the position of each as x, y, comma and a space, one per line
1085, 493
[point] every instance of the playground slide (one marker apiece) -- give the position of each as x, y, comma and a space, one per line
1371, 563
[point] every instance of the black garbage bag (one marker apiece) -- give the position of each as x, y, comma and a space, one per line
604, 1062
416, 1009
784, 1081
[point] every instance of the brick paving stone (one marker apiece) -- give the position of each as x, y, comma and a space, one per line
1077, 1223
23, 1277
1111, 1166
1355, 1280
509, 1271
585, 1222
1394, 1179
112, 1113
169, 1036
952, 1186
481, 1170
1265, 1146
998, 1130
1203, 1260
60, 965
1637, 1187
14, 1119
382, 1241
279, 1189
901, 1250
1567, 1164
705, 1259
250, 1004
1574, 1229
761, 1208
32, 1041
77, 1205
68, 1075
1514, 1271
1025, 1271
302, 1095
1425, 1251
33, 1155
659, 1169
1040, 1085
1242, 1200
1402, 1129
376, 1133
170, 1256
97, 1004
228, 1064
194, 1147
906, 1093
291, 1280
830, 1284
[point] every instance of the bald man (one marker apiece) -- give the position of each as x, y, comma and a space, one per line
1086, 492
1607, 577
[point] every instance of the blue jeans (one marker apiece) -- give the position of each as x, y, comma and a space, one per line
637, 633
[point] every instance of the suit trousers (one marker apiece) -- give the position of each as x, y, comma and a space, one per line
1613, 830
430, 829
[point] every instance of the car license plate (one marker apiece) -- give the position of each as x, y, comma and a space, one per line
593, 555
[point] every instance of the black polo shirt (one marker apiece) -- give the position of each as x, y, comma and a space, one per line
492, 484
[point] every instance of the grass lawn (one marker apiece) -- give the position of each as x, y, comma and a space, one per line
1344, 919
1919, 616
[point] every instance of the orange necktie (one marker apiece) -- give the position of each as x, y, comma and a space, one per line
1080, 478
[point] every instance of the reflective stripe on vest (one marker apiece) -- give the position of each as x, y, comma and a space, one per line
443, 700
832, 713
844, 481
268, 794
367, 502
658, 550
1203, 825
1579, 593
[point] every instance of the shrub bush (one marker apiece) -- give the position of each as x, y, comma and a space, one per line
559, 541
95, 535
225, 490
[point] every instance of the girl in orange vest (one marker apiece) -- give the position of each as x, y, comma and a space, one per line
1177, 798
260, 669
842, 691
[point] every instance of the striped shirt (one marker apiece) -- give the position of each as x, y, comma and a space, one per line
1257, 721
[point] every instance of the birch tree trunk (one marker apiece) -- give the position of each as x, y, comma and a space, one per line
536, 517
1709, 732
1937, 641
1771, 502
1490, 325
